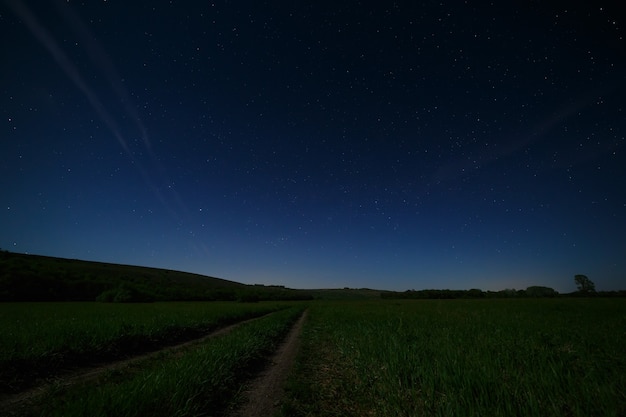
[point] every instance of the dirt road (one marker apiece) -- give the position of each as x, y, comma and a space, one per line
264, 393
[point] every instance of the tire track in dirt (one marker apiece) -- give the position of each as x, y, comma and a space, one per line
264, 393
13, 402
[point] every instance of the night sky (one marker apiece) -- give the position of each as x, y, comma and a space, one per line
384, 144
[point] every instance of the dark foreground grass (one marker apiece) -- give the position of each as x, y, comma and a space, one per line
462, 358
201, 381
40, 339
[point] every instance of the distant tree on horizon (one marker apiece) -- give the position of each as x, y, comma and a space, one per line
584, 284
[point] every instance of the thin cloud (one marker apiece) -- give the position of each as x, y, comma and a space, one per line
100, 59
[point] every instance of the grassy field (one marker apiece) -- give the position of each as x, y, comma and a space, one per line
524, 357
37, 339
558, 357
202, 380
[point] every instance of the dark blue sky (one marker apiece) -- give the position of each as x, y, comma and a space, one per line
390, 145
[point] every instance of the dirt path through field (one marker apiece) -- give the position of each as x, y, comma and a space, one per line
21, 400
264, 393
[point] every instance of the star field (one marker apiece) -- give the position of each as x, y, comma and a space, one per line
390, 145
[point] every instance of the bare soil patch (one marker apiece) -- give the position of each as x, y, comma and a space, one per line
265, 392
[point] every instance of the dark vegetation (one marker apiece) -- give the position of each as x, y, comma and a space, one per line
586, 288
584, 284
42, 278
346, 293
534, 291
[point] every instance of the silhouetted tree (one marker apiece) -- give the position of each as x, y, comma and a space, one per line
584, 284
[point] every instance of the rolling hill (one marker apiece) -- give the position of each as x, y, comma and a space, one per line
42, 278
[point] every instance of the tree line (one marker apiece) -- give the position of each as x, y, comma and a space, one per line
585, 288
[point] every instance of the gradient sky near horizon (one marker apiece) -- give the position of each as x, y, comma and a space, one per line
383, 144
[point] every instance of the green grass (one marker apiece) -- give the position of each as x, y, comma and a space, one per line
560, 357
201, 381
526, 357
39, 338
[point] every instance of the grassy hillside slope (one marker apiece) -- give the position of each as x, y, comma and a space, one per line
42, 278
